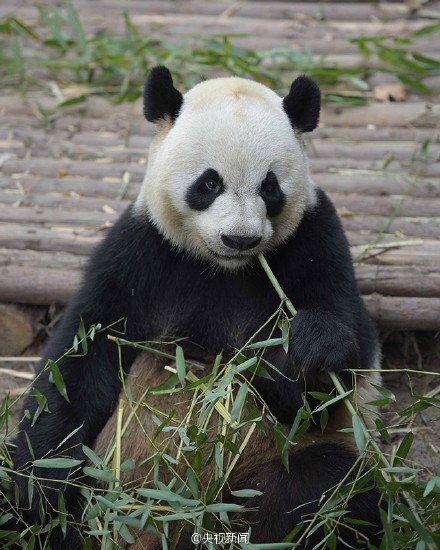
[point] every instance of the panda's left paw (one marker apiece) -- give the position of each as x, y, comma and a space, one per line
320, 342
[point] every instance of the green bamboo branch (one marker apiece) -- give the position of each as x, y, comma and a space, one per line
276, 285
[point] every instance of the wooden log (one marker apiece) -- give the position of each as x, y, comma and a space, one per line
367, 237
410, 227
55, 167
398, 205
272, 10
380, 114
361, 12
65, 148
376, 185
72, 123
39, 286
59, 202
396, 313
42, 258
70, 186
51, 218
340, 11
427, 255
371, 133
22, 237
371, 150
97, 107
415, 281
375, 247
331, 43
114, 141
361, 166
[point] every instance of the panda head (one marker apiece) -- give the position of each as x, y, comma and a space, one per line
227, 173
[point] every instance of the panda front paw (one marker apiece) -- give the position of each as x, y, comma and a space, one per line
321, 343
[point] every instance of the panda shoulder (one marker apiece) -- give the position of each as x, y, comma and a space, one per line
132, 241
321, 219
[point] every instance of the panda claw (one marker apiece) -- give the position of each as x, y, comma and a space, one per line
321, 343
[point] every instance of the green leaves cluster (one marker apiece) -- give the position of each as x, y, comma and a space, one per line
226, 413
397, 55
115, 65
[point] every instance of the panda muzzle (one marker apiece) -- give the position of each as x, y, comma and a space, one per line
237, 242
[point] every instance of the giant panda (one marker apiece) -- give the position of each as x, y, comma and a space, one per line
227, 179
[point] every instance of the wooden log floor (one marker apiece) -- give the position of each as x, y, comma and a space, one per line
63, 184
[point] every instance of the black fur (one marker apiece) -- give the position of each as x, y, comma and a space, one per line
290, 497
161, 99
199, 196
302, 104
272, 195
156, 291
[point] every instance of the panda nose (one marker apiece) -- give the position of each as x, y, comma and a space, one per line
240, 243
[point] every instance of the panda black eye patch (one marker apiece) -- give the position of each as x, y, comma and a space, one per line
272, 195
203, 192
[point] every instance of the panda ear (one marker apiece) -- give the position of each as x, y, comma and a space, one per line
161, 99
302, 104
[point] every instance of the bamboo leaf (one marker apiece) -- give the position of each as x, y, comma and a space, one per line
82, 336
267, 343
334, 400
101, 475
56, 463
180, 365
73, 100
223, 507
92, 456
359, 436
238, 402
56, 378
246, 493
168, 496
405, 446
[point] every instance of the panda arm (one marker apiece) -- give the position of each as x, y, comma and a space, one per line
331, 330
92, 381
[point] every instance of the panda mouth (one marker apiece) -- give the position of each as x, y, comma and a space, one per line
229, 257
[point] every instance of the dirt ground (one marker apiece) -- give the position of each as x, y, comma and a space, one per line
421, 352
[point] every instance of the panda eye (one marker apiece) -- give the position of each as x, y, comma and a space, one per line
267, 187
212, 184
272, 195
205, 190
270, 184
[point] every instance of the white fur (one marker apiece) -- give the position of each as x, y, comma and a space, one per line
239, 128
